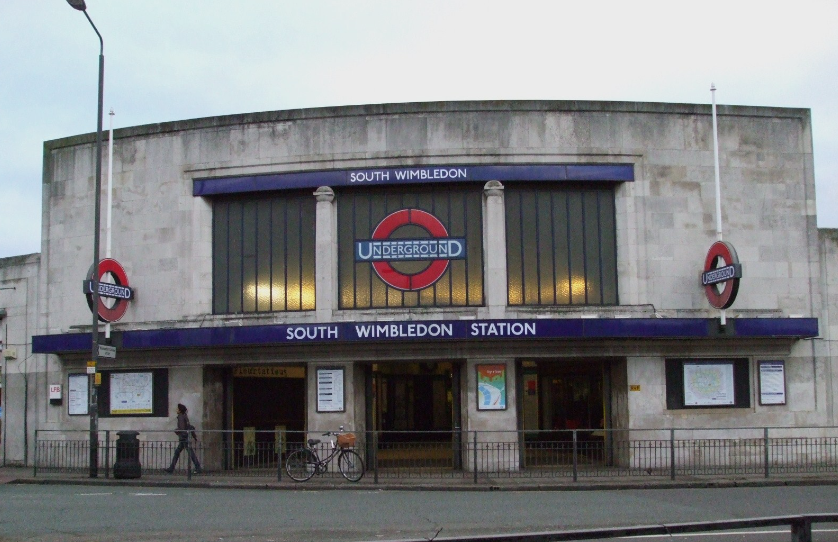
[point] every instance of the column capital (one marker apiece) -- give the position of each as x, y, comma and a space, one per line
324, 193
493, 188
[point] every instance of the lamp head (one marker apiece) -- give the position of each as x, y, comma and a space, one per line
77, 4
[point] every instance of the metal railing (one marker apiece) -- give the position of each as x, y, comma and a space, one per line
476, 455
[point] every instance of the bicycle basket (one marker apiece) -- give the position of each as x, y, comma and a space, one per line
346, 440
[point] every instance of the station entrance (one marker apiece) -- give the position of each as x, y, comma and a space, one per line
413, 401
415, 410
268, 412
560, 399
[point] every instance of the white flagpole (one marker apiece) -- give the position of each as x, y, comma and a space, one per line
722, 315
716, 161
110, 205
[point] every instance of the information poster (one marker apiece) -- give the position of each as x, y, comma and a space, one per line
77, 396
772, 383
708, 384
491, 387
330, 390
131, 393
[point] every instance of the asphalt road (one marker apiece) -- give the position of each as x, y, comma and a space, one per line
111, 513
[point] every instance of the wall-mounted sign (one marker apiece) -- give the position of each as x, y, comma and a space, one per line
131, 393
491, 386
382, 250
117, 293
78, 394
772, 382
416, 175
269, 371
330, 390
708, 384
721, 275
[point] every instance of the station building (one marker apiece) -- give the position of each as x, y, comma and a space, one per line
428, 268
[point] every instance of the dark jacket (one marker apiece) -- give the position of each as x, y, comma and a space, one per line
184, 427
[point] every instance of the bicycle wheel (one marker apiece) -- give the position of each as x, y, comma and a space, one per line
351, 465
301, 465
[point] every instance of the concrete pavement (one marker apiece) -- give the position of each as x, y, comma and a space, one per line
26, 475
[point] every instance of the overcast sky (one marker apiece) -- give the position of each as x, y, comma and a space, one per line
180, 59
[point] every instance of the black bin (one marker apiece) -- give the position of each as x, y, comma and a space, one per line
127, 455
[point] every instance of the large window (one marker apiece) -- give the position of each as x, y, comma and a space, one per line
263, 253
561, 245
428, 253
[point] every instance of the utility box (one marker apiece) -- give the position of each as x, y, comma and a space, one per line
127, 455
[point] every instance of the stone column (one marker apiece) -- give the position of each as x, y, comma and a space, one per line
494, 249
326, 254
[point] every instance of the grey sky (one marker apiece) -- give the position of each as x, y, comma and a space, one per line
179, 59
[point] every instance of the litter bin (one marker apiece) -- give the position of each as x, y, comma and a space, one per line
127, 455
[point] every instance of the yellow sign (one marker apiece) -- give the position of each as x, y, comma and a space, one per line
634, 387
269, 371
97, 379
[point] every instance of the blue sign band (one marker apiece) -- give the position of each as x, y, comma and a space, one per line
438, 330
413, 175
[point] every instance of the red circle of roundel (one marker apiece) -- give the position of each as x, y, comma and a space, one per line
112, 314
721, 251
428, 276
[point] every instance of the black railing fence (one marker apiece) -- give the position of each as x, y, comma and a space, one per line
471, 455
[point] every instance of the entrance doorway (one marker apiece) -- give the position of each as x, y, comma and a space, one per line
268, 412
560, 401
413, 398
415, 410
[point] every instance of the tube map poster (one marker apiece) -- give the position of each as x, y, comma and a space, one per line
491, 387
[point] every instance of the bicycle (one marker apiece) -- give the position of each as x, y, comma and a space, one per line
304, 463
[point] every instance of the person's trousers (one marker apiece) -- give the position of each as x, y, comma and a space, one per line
181, 445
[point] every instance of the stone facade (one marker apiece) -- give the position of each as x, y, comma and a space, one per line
665, 218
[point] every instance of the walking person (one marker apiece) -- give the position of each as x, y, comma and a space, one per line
184, 428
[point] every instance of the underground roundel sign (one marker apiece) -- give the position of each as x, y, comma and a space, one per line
113, 289
721, 275
410, 249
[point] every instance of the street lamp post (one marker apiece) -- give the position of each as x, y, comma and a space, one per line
94, 285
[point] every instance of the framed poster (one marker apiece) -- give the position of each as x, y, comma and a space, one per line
491, 386
330, 393
78, 394
772, 382
131, 393
708, 384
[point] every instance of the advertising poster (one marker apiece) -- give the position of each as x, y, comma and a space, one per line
491, 387
708, 384
131, 393
330, 390
77, 395
772, 383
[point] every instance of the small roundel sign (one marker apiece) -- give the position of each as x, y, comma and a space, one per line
386, 249
721, 275
114, 292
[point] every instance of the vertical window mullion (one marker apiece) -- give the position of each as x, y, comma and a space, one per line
569, 254
523, 256
599, 245
537, 245
553, 245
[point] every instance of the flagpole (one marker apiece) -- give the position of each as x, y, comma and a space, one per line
719, 237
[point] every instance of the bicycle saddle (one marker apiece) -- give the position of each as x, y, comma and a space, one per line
313, 441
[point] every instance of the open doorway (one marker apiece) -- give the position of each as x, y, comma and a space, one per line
268, 412
562, 400
415, 410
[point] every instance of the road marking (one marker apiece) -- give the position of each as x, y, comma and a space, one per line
92, 494
149, 494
